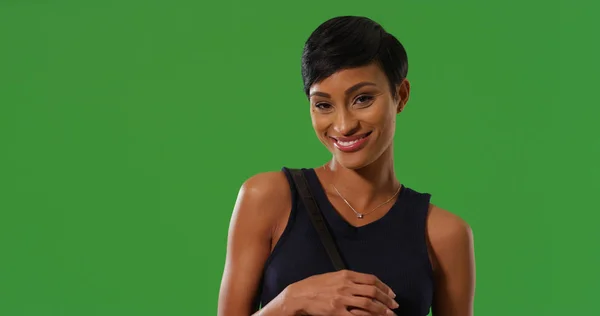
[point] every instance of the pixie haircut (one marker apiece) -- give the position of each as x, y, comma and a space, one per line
348, 42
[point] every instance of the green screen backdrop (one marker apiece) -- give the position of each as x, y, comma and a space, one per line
127, 128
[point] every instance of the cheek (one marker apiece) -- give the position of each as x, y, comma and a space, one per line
314, 120
388, 126
319, 123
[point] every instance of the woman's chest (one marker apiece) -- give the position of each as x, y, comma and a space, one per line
400, 265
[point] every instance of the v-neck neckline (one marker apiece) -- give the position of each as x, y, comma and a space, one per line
336, 219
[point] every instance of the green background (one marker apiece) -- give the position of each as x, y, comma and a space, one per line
127, 127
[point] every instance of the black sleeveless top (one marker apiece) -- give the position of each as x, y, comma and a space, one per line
392, 248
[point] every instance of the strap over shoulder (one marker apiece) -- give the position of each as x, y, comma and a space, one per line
317, 219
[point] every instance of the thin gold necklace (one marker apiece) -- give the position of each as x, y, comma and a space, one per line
360, 215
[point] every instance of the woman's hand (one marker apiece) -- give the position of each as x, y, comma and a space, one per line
340, 293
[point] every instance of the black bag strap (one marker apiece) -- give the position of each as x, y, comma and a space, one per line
317, 219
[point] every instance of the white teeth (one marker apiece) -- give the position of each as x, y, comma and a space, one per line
350, 143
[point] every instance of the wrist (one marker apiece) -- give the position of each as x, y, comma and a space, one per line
289, 304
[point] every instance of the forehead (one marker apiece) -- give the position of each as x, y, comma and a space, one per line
348, 77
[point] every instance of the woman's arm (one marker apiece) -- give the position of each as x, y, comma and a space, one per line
451, 242
264, 201
261, 201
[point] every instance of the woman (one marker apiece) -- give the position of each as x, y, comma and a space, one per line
404, 255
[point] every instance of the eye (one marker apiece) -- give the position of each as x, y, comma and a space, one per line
323, 106
363, 99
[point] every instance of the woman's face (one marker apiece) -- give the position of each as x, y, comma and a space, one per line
354, 114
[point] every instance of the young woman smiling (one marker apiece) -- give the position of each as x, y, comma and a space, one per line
404, 255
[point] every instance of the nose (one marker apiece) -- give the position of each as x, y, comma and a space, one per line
345, 123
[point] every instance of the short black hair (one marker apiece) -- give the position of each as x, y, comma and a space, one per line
348, 42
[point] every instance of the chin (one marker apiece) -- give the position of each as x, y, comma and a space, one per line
353, 161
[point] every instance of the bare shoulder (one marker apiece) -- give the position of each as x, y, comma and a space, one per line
453, 259
263, 198
449, 236
446, 227
268, 189
261, 202
266, 183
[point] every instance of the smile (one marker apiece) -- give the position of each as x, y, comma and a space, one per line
350, 144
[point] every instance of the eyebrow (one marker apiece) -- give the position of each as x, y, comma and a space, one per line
347, 92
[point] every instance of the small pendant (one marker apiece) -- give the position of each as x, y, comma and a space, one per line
359, 215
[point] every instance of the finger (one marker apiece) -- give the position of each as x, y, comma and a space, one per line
374, 293
372, 306
369, 279
360, 312
349, 311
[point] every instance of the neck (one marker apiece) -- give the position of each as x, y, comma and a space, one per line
366, 185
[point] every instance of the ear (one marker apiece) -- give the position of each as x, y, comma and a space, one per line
402, 95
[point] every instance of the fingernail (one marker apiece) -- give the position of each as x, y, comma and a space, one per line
396, 305
390, 313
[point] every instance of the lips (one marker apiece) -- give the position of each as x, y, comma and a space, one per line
351, 143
